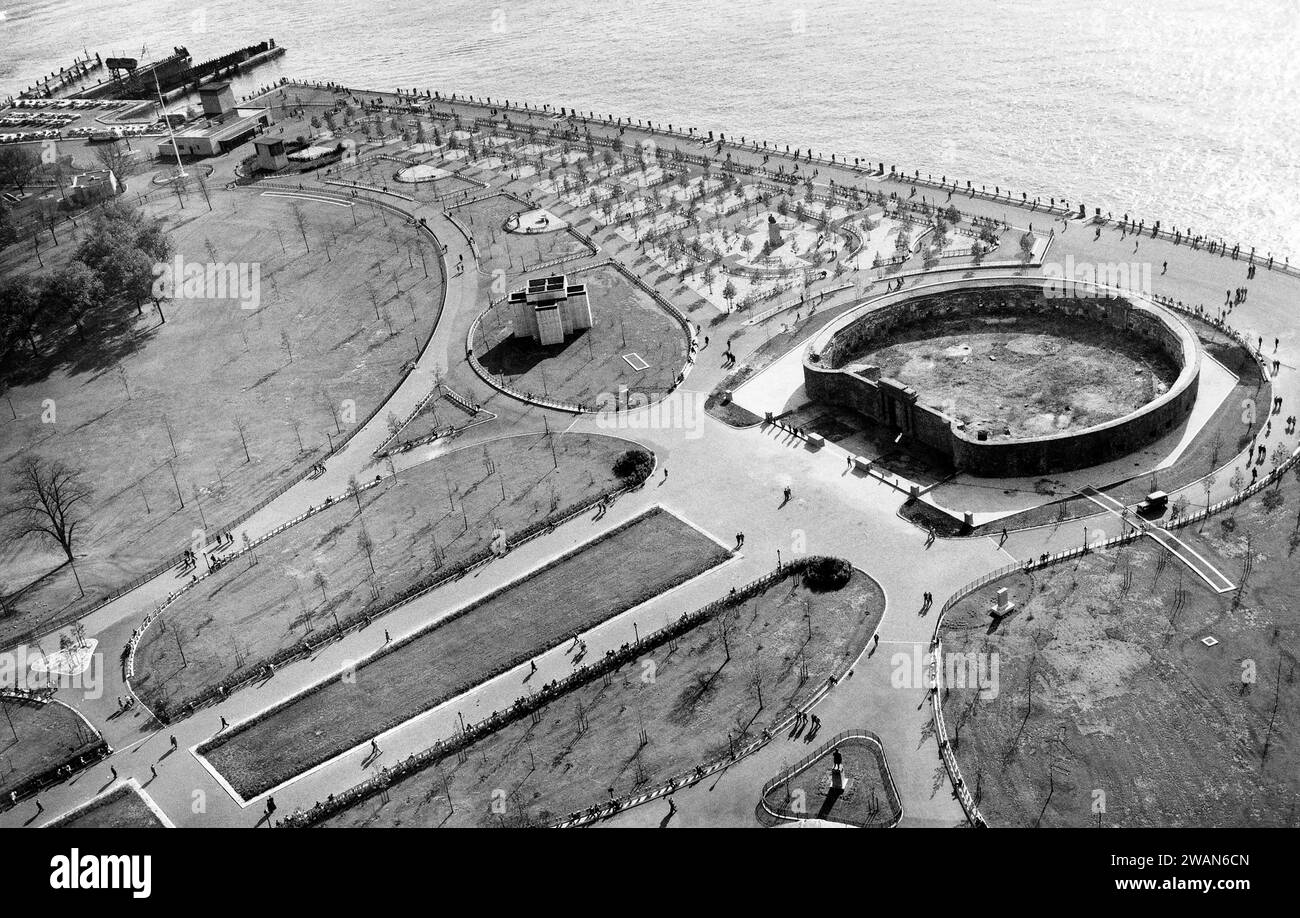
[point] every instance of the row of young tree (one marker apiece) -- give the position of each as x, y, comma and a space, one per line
113, 267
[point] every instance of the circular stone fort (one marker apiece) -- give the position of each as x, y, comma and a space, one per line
1011, 376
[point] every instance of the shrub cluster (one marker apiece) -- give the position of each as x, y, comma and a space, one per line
824, 574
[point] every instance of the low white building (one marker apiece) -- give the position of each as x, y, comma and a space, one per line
218, 135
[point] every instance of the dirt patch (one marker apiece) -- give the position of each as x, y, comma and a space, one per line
1027, 376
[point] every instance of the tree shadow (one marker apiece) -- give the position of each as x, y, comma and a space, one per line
111, 335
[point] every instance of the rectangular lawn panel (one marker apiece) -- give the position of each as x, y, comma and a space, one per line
703, 698
603, 578
120, 808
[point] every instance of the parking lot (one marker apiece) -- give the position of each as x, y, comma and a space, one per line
35, 120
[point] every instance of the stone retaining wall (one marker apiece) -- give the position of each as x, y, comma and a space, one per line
829, 376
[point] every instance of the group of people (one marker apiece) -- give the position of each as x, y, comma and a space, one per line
802, 720
190, 560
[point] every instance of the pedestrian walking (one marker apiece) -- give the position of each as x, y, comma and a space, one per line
224, 725
173, 741
387, 639
153, 771
374, 747
113, 771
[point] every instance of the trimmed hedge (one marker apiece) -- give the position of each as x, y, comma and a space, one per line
824, 574
635, 464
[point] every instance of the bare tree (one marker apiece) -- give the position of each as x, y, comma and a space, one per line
202, 182
1278, 459
242, 428
300, 220
354, 491
112, 156
297, 432
1207, 483
365, 543
48, 499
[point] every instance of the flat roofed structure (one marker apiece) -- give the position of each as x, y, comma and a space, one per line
270, 154
550, 309
217, 136
216, 99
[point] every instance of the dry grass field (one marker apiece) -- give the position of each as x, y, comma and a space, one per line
231, 400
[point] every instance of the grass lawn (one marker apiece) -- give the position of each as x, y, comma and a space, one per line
439, 413
644, 558
589, 367
867, 799
1126, 699
35, 738
687, 696
120, 808
512, 252
243, 614
212, 367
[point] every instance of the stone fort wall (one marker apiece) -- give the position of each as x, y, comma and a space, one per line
830, 378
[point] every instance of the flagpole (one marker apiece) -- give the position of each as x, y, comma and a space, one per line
162, 112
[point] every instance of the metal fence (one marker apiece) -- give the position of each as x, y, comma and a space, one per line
895, 805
